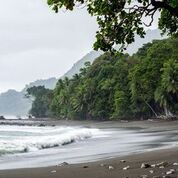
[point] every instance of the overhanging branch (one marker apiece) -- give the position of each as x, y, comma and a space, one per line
163, 4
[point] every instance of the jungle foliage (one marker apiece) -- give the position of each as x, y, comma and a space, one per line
118, 86
41, 101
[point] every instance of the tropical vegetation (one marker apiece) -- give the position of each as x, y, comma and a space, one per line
117, 86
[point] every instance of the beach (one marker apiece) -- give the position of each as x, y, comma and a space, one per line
111, 166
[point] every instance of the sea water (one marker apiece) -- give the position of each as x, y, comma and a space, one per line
15, 117
34, 146
19, 139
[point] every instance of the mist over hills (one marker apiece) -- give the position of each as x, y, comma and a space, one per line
132, 48
14, 103
149, 37
48, 83
91, 56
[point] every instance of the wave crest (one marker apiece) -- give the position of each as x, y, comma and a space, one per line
16, 139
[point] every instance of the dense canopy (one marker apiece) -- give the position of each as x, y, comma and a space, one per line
118, 86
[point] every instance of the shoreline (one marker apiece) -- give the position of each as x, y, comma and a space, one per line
110, 168
58, 122
107, 168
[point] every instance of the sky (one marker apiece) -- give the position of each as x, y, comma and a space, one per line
36, 43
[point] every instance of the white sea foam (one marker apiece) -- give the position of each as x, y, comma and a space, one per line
15, 139
102, 143
13, 117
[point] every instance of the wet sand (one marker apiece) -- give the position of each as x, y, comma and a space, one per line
101, 169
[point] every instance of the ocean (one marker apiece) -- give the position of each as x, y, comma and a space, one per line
34, 146
13, 117
21, 139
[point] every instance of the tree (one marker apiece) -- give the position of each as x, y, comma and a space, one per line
167, 91
120, 20
80, 102
153, 77
41, 101
117, 86
60, 104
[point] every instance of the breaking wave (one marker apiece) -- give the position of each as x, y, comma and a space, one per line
19, 139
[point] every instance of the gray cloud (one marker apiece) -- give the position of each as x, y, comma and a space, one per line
37, 43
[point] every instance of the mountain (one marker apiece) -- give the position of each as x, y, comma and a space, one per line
91, 56
48, 83
131, 49
14, 103
149, 37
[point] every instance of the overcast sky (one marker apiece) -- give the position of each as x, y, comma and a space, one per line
36, 43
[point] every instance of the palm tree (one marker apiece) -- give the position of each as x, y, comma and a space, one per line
169, 86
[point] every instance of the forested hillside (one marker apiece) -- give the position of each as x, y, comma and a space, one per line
20, 105
120, 86
131, 49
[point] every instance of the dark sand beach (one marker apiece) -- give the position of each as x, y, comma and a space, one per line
112, 168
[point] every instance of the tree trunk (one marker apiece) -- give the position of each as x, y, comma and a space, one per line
168, 114
151, 108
